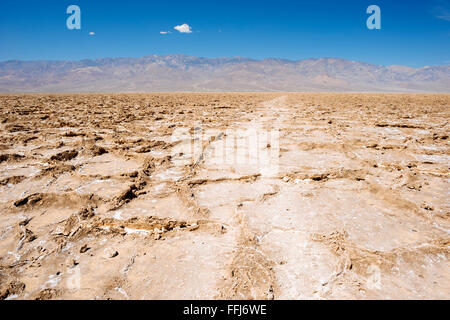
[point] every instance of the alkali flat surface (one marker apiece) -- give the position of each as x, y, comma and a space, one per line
92, 205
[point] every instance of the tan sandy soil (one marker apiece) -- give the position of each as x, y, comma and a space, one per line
93, 205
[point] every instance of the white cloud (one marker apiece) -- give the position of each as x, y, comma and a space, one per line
184, 28
164, 32
92, 33
444, 15
442, 10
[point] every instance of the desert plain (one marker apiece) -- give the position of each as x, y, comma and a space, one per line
95, 202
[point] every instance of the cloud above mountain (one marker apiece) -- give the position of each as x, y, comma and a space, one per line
184, 28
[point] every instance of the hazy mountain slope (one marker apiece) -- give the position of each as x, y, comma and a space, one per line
186, 73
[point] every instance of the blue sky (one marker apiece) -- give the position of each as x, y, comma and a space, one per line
414, 33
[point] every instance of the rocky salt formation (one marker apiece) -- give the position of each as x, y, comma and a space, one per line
95, 204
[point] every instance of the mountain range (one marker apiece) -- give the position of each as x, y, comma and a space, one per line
186, 73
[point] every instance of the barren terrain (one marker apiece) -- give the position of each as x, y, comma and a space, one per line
182, 73
95, 204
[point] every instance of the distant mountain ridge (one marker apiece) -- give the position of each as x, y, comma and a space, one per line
186, 73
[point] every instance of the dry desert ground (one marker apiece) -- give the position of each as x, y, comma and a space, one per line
166, 196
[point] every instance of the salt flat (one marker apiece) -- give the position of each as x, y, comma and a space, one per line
166, 196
